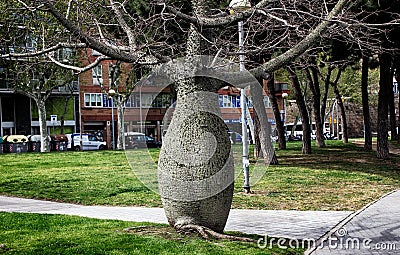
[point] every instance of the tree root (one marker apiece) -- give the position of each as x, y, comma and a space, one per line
207, 232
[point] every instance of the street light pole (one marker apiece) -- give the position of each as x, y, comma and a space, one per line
111, 94
284, 96
238, 5
243, 106
140, 109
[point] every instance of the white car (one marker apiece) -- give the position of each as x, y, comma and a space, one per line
89, 142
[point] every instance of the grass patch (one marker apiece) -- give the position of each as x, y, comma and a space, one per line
57, 234
339, 177
89, 178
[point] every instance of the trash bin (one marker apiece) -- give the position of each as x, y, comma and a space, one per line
34, 143
16, 143
59, 143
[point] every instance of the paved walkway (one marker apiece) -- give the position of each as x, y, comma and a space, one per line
292, 224
375, 229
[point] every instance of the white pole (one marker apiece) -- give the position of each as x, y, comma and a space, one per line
337, 121
112, 123
140, 109
245, 157
80, 117
245, 139
333, 118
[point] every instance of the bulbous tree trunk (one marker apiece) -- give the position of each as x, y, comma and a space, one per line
195, 168
45, 143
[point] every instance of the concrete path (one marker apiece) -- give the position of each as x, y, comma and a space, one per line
292, 224
375, 229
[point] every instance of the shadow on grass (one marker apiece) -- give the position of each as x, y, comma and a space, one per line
342, 157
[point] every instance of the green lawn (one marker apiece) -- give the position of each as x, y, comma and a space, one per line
56, 234
339, 177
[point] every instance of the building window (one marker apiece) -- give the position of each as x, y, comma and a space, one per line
227, 101
267, 103
133, 101
97, 74
162, 100
93, 100
396, 88
147, 100
63, 55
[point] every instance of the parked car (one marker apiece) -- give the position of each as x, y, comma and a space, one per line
89, 142
293, 138
152, 143
136, 140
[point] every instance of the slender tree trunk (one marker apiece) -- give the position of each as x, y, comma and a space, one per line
302, 109
279, 123
44, 138
265, 132
365, 104
345, 137
120, 123
327, 83
257, 127
384, 86
316, 97
392, 111
397, 77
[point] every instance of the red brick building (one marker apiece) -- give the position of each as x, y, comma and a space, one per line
147, 105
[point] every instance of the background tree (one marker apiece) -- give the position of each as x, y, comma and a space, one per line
365, 104
301, 104
37, 80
